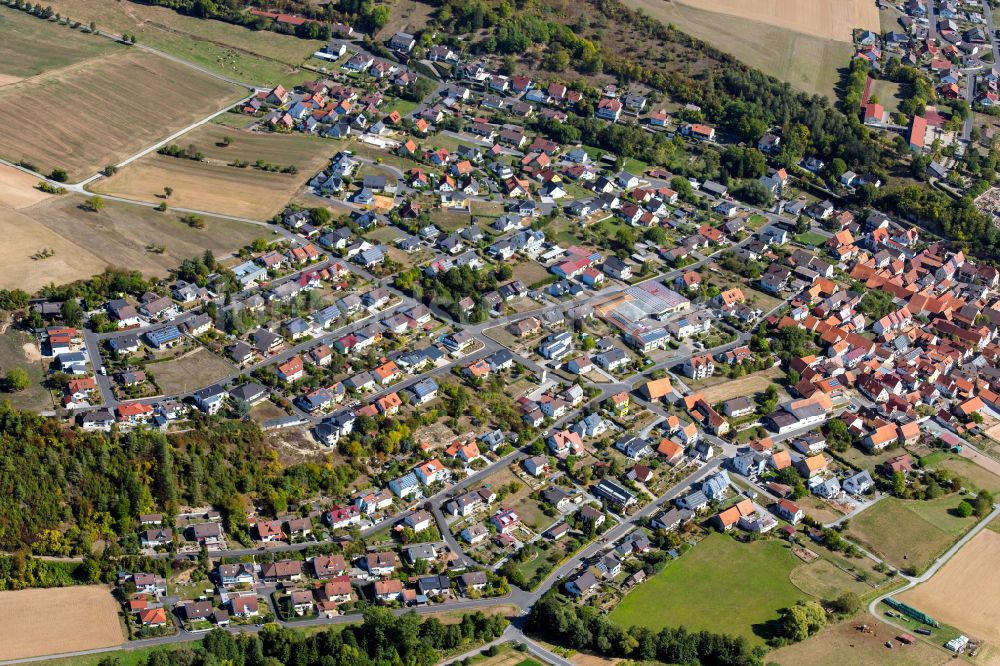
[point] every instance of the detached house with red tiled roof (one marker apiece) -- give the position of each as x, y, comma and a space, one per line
291, 370
466, 452
609, 109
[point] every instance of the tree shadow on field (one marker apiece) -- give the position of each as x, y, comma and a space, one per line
769, 630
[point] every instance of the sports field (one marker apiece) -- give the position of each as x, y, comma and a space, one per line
31, 46
909, 533
842, 643
809, 62
251, 56
50, 621
964, 593
121, 235
99, 111
719, 585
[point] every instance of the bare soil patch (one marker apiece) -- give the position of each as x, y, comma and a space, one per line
436, 435
804, 554
31, 352
408, 16
295, 445
844, 644
17, 188
88, 619
962, 593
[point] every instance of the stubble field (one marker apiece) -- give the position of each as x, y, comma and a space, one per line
827, 19
963, 593
51, 621
121, 235
100, 110
214, 186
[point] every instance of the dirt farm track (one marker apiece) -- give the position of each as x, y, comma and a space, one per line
828, 19
50, 621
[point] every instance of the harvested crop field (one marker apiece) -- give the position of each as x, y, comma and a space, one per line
24, 239
212, 185
219, 189
87, 619
841, 644
308, 153
31, 46
962, 594
121, 235
109, 107
808, 62
828, 19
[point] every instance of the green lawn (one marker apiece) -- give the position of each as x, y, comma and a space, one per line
253, 56
909, 533
13, 345
31, 46
973, 476
811, 238
564, 232
593, 152
634, 166
232, 119
719, 585
824, 580
404, 106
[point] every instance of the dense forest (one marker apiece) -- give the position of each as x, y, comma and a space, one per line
63, 489
382, 639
